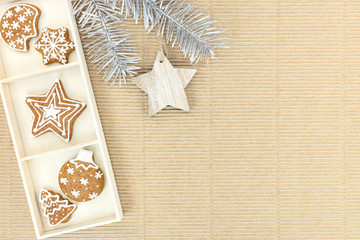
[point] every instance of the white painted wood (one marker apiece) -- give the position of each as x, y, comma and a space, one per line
40, 72
44, 154
2, 70
165, 85
31, 196
28, 163
80, 227
12, 121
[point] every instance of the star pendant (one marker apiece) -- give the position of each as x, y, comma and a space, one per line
165, 85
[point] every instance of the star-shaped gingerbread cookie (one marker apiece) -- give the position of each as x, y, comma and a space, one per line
165, 85
55, 45
54, 112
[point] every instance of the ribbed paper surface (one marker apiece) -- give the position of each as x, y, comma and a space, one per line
270, 149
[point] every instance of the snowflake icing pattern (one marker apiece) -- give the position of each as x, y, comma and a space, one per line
55, 45
70, 170
75, 193
20, 22
93, 195
64, 181
98, 174
84, 181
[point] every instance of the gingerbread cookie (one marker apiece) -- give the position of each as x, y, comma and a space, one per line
54, 112
56, 209
55, 45
80, 179
18, 25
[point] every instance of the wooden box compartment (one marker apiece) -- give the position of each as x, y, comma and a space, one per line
23, 74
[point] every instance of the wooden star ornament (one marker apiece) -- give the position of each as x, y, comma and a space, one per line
165, 85
54, 112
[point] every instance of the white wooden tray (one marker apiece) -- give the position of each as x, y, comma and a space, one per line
23, 74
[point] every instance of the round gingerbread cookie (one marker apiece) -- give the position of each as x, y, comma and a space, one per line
80, 179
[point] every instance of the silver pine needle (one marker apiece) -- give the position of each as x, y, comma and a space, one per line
110, 48
189, 26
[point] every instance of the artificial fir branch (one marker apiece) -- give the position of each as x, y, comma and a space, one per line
190, 27
111, 49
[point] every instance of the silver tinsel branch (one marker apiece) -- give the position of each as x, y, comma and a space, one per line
110, 48
190, 27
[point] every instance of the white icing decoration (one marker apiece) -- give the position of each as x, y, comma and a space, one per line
84, 181
64, 181
84, 156
75, 193
93, 195
70, 170
12, 43
28, 12
53, 93
9, 34
22, 18
9, 14
25, 32
19, 40
54, 45
18, 9
15, 25
27, 29
60, 203
98, 174
51, 111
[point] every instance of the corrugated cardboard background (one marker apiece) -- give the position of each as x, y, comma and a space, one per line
270, 150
